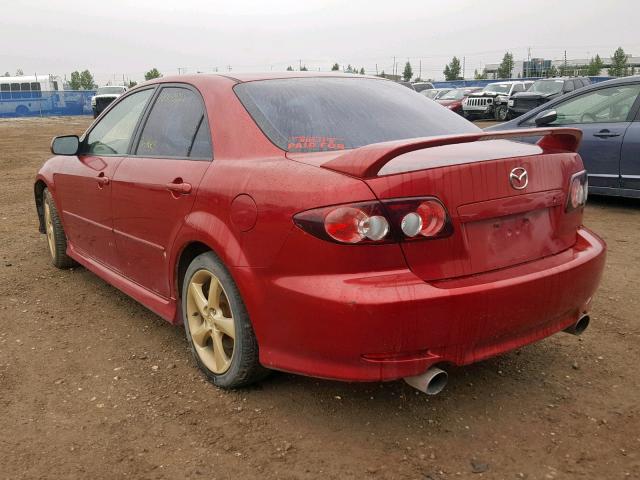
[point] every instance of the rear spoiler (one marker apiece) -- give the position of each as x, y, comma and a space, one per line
366, 162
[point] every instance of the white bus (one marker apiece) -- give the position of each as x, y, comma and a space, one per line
31, 94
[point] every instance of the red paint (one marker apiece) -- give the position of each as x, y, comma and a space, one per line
515, 268
244, 212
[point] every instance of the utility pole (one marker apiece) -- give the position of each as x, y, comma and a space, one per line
564, 68
300, 64
376, 69
393, 70
464, 61
528, 62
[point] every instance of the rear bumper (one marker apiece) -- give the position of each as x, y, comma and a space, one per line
389, 325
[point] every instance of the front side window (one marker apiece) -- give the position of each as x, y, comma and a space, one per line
112, 134
320, 114
605, 105
176, 126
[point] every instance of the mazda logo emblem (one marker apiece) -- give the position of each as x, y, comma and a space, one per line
519, 178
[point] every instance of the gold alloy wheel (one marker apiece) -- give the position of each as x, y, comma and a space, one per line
48, 224
210, 321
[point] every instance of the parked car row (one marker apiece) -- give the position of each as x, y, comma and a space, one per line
543, 91
505, 100
492, 101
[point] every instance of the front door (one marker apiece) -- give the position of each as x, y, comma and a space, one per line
603, 115
84, 188
154, 188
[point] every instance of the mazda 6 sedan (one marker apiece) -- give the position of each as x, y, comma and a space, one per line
329, 225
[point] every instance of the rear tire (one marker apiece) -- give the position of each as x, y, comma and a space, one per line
56, 238
217, 325
21, 111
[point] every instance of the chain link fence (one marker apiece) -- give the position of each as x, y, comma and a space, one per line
45, 104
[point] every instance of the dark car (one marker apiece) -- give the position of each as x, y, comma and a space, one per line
608, 114
408, 85
420, 86
542, 91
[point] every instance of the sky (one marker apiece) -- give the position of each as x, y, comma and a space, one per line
118, 39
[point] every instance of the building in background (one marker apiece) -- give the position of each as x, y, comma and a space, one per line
538, 67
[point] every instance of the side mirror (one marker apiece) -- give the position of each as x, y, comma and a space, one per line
65, 145
546, 117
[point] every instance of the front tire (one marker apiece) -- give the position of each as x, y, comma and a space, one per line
502, 113
56, 238
217, 325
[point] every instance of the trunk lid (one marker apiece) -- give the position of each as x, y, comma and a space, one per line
495, 224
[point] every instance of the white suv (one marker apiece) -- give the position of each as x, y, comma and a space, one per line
492, 100
104, 96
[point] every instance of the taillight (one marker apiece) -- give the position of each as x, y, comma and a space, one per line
353, 225
578, 191
378, 222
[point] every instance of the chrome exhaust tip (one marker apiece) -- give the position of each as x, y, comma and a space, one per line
430, 382
580, 326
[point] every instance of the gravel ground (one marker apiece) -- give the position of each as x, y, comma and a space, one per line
92, 385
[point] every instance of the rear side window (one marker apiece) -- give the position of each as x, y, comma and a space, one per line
176, 126
320, 114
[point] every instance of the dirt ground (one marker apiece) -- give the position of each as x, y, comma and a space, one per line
92, 385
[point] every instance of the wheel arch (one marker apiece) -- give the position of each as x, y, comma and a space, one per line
38, 192
189, 251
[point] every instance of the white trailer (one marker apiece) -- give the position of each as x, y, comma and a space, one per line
31, 94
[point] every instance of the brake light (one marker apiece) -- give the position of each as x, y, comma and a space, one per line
352, 225
428, 220
578, 191
378, 222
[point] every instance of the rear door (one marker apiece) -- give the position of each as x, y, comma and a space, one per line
83, 188
630, 157
154, 188
604, 116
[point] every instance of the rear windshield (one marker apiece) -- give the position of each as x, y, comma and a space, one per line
319, 114
547, 86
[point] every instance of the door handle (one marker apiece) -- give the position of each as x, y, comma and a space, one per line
182, 188
605, 134
102, 180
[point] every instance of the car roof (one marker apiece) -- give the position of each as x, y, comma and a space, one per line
250, 77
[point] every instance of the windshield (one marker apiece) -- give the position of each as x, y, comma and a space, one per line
497, 88
319, 114
110, 90
547, 86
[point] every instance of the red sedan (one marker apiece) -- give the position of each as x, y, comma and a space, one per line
453, 98
329, 225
